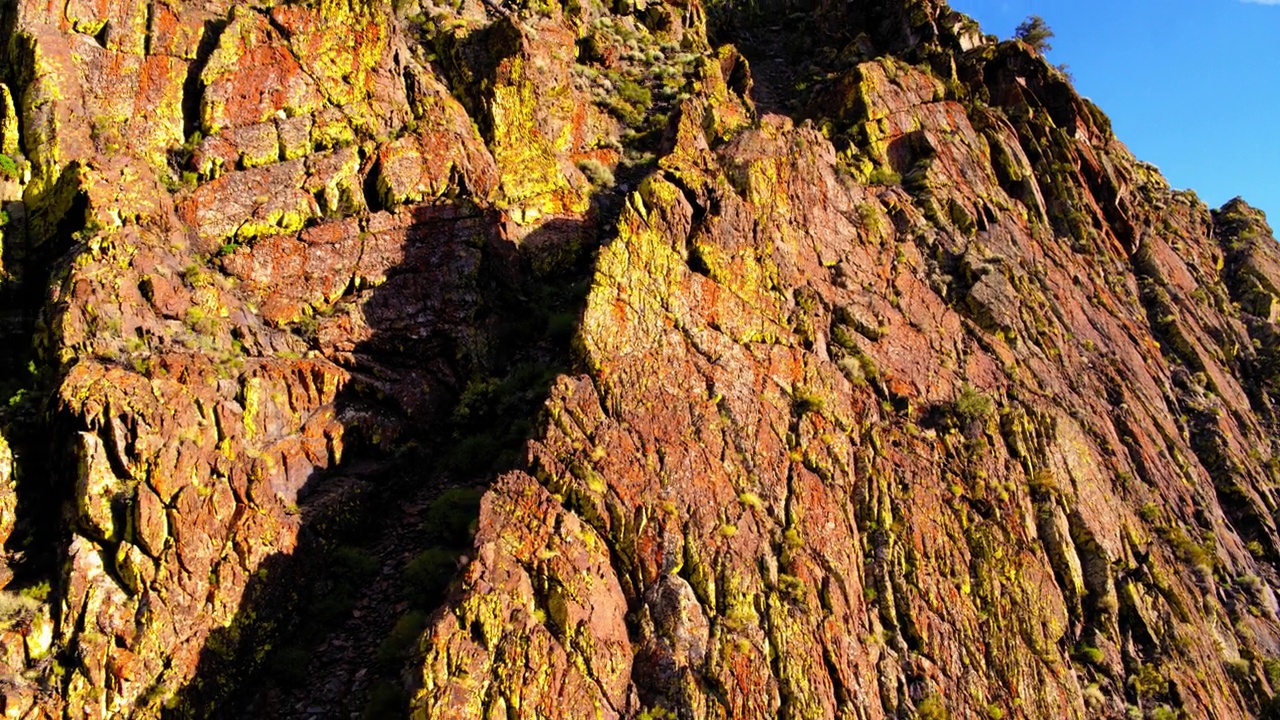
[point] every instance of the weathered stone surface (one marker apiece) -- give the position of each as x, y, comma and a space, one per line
924, 398
540, 587
8, 506
973, 492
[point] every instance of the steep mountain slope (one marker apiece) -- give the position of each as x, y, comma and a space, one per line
848, 367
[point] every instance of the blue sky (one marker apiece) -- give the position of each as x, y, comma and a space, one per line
1192, 86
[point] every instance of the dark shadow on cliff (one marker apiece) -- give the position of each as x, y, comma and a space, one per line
444, 394
37, 230
795, 46
41, 231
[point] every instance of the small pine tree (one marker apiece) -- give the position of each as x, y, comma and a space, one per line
1035, 32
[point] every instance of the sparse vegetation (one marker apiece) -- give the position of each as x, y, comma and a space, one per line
931, 708
288, 665
972, 404
1093, 696
1090, 655
8, 168
596, 172
885, 176
451, 517
387, 701
873, 477
804, 401
1149, 682
16, 608
428, 574
398, 645
1035, 32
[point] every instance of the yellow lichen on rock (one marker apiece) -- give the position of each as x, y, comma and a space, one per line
532, 183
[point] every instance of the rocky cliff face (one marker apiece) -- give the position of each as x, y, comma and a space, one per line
847, 369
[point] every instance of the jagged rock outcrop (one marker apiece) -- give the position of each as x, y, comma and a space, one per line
899, 389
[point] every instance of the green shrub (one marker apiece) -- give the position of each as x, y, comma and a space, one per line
1149, 682
884, 176
40, 591
1091, 655
1239, 669
1188, 550
596, 172
16, 609
806, 401
629, 102
1043, 482
1093, 696
8, 167
427, 575
852, 370
399, 644
288, 665
387, 701
931, 708
562, 326
473, 454
634, 93
1271, 666
1035, 32
450, 517
791, 587
350, 569
353, 562
972, 404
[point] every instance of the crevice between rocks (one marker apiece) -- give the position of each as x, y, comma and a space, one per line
193, 85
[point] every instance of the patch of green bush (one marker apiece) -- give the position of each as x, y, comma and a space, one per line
1149, 682
387, 701
885, 176
972, 404
427, 575
805, 401
16, 609
1035, 32
399, 644
596, 172
288, 665
562, 326
473, 454
1091, 655
931, 708
351, 569
451, 517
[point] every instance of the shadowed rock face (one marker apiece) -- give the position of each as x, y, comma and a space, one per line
900, 389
